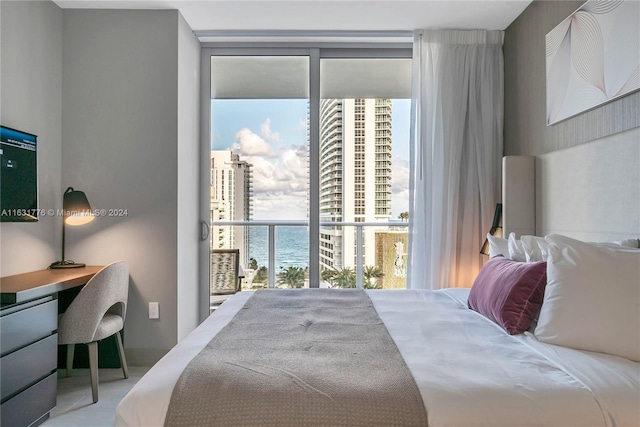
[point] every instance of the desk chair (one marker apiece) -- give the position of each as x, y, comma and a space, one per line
224, 280
95, 314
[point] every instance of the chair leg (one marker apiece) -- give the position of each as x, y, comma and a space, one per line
123, 361
70, 348
93, 367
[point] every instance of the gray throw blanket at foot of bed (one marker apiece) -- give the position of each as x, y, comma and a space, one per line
308, 357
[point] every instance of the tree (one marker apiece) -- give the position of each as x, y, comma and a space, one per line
345, 278
253, 264
404, 216
262, 275
327, 275
371, 273
291, 277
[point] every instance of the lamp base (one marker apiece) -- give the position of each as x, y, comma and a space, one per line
66, 264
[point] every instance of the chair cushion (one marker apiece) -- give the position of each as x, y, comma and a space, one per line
109, 325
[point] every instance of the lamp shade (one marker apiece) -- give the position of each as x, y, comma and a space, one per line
496, 228
77, 210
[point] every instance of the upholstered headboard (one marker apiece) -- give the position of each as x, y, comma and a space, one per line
590, 191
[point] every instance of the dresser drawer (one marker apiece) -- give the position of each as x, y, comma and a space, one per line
28, 406
24, 327
28, 365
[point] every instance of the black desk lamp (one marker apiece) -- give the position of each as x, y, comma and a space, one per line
76, 211
496, 229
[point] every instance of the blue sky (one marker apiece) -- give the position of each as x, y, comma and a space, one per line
272, 135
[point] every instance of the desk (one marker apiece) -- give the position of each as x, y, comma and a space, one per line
24, 287
28, 333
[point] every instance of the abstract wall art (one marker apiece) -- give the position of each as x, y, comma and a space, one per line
592, 57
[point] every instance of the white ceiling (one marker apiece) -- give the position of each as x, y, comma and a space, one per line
336, 15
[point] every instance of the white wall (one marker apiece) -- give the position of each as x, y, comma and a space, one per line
122, 134
188, 176
599, 199
31, 88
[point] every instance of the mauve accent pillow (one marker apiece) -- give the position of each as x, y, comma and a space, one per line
510, 293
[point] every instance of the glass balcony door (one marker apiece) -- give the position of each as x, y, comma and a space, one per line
364, 179
302, 168
259, 165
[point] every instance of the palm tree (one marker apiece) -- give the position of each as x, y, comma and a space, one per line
345, 278
371, 273
261, 275
253, 264
291, 277
404, 216
327, 275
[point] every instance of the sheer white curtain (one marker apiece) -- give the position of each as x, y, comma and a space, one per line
456, 142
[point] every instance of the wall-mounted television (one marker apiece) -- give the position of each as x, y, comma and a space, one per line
18, 176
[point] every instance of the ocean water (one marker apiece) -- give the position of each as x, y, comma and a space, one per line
292, 246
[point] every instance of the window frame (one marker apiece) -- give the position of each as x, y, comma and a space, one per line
315, 52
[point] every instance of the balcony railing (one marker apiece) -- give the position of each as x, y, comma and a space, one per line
272, 225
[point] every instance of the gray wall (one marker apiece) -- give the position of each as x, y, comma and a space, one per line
121, 143
188, 176
119, 132
113, 97
31, 88
525, 129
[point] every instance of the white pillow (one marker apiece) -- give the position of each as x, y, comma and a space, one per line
516, 249
497, 246
533, 249
544, 249
592, 298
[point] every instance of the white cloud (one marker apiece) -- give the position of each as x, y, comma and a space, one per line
264, 175
399, 175
249, 144
295, 161
280, 184
267, 133
302, 124
399, 187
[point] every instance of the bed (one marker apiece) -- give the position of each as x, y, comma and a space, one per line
468, 369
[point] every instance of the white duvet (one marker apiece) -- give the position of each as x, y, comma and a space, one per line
469, 371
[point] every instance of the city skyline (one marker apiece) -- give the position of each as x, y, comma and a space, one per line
272, 136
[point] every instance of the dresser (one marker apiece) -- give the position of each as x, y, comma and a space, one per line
29, 340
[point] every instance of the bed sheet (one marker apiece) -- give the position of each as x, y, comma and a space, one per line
469, 371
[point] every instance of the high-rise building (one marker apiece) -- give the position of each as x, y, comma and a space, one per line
355, 176
231, 185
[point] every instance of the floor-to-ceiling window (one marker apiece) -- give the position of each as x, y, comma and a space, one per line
309, 164
364, 179
259, 165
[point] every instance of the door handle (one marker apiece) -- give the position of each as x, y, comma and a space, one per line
204, 230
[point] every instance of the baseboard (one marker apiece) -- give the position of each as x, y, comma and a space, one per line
144, 356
